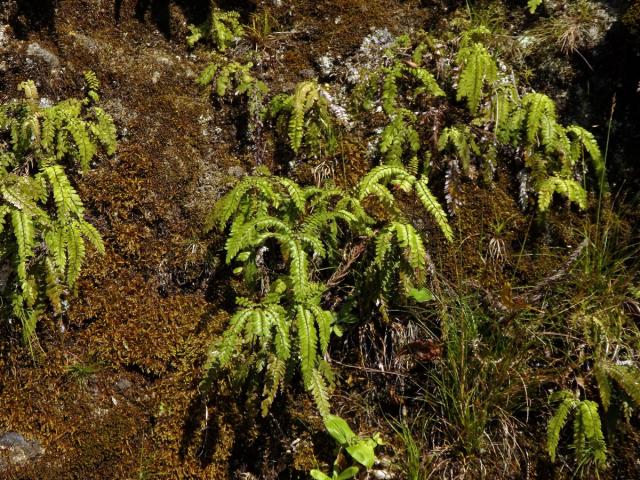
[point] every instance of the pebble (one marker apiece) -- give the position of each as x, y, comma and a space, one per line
36, 50
16, 450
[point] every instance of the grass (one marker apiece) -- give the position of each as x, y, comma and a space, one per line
81, 372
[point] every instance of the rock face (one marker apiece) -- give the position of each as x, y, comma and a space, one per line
15, 450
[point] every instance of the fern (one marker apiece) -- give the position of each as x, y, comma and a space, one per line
48, 228
588, 439
477, 69
567, 187
303, 222
410, 75
626, 377
432, 206
559, 419
539, 120
221, 29
533, 5
305, 117
93, 85
376, 181
587, 430
400, 139
584, 141
461, 141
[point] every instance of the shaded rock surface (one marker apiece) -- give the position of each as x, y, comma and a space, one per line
15, 450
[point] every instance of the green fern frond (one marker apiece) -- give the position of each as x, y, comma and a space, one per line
56, 245
298, 270
222, 29
390, 88
540, 119
51, 123
382, 248
377, 175
308, 343
54, 289
93, 85
247, 234
324, 321
91, 233
399, 138
294, 191
478, 68
276, 371
428, 82
319, 391
604, 385
24, 233
584, 140
461, 140
75, 254
533, 5
570, 189
628, 378
208, 74
222, 352
282, 340
304, 97
558, 420
30, 90
66, 198
413, 246
432, 206
23, 193
588, 437
86, 147
105, 130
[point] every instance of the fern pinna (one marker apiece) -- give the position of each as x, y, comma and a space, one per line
47, 245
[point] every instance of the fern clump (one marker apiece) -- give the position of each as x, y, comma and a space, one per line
553, 153
588, 439
625, 376
400, 141
460, 141
398, 264
274, 214
376, 183
42, 223
284, 238
221, 29
238, 79
232, 76
306, 118
403, 76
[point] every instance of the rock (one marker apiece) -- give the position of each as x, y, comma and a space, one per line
15, 450
36, 50
123, 384
4, 35
325, 64
86, 42
236, 171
